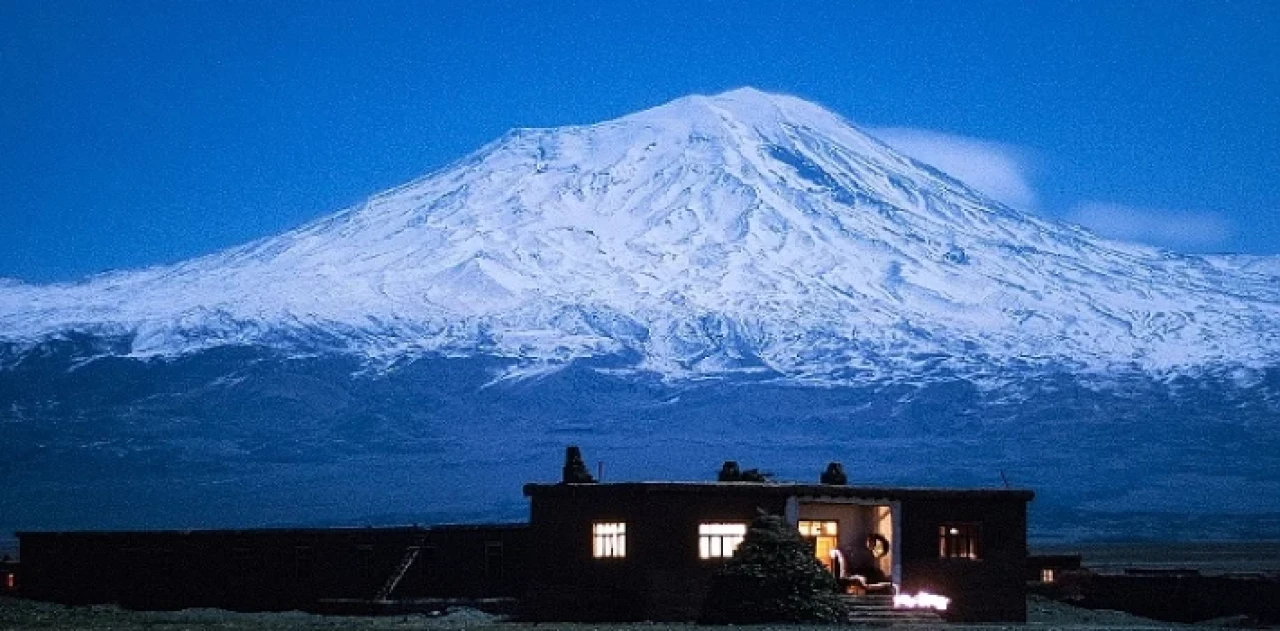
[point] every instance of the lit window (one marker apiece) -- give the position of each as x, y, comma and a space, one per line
608, 539
718, 541
9, 582
825, 538
818, 528
958, 541
1046, 575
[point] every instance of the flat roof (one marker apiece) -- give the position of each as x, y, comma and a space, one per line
785, 489
313, 530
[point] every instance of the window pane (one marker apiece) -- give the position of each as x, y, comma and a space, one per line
608, 539
810, 528
722, 529
959, 541
719, 540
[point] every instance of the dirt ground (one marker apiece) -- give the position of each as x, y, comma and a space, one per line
1044, 615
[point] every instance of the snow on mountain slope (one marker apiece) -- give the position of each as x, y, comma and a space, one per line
742, 231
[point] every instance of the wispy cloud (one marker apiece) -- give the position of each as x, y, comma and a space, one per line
999, 170
1005, 172
1175, 229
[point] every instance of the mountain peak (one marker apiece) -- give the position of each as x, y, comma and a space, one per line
746, 101
737, 231
741, 110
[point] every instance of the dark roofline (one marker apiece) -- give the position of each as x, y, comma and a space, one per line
784, 489
353, 530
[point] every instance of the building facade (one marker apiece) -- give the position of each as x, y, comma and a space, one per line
590, 551
648, 550
274, 569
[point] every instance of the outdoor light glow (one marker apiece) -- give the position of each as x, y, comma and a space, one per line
922, 600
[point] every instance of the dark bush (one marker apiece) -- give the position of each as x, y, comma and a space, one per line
773, 577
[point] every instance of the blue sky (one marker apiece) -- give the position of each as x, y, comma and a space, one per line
137, 133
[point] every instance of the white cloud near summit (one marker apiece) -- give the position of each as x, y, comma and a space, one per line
1175, 229
1005, 173
998, 170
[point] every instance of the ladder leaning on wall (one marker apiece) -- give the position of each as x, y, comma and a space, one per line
411, 554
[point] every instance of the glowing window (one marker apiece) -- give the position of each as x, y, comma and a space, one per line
608, 539
818, 528
9, 582
958, 541
719, 541
825, 538
1046, 575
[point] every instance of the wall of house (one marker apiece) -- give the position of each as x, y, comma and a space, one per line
270, 569
990, 588
547, 563
661, 577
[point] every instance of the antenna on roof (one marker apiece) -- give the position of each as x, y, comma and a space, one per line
1004, 479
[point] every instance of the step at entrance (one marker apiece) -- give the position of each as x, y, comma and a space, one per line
879, 608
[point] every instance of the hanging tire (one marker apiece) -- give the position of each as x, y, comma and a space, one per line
878, 545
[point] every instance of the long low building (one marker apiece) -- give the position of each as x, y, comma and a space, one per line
274, 569
591, 551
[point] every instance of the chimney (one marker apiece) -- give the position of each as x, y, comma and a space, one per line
729, 472
575, 469
834, 474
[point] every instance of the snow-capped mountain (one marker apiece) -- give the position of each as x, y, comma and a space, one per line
852, 303
739, 232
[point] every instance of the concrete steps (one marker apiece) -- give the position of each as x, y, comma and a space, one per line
878, 608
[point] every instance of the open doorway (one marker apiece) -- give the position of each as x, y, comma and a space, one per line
851, 539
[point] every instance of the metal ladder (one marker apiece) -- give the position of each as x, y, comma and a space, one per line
410, 555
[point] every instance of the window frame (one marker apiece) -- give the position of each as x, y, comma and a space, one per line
822, 528
365, 563
304, 563
494, 561
960, 541
243, 560
713, 546
608, 540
